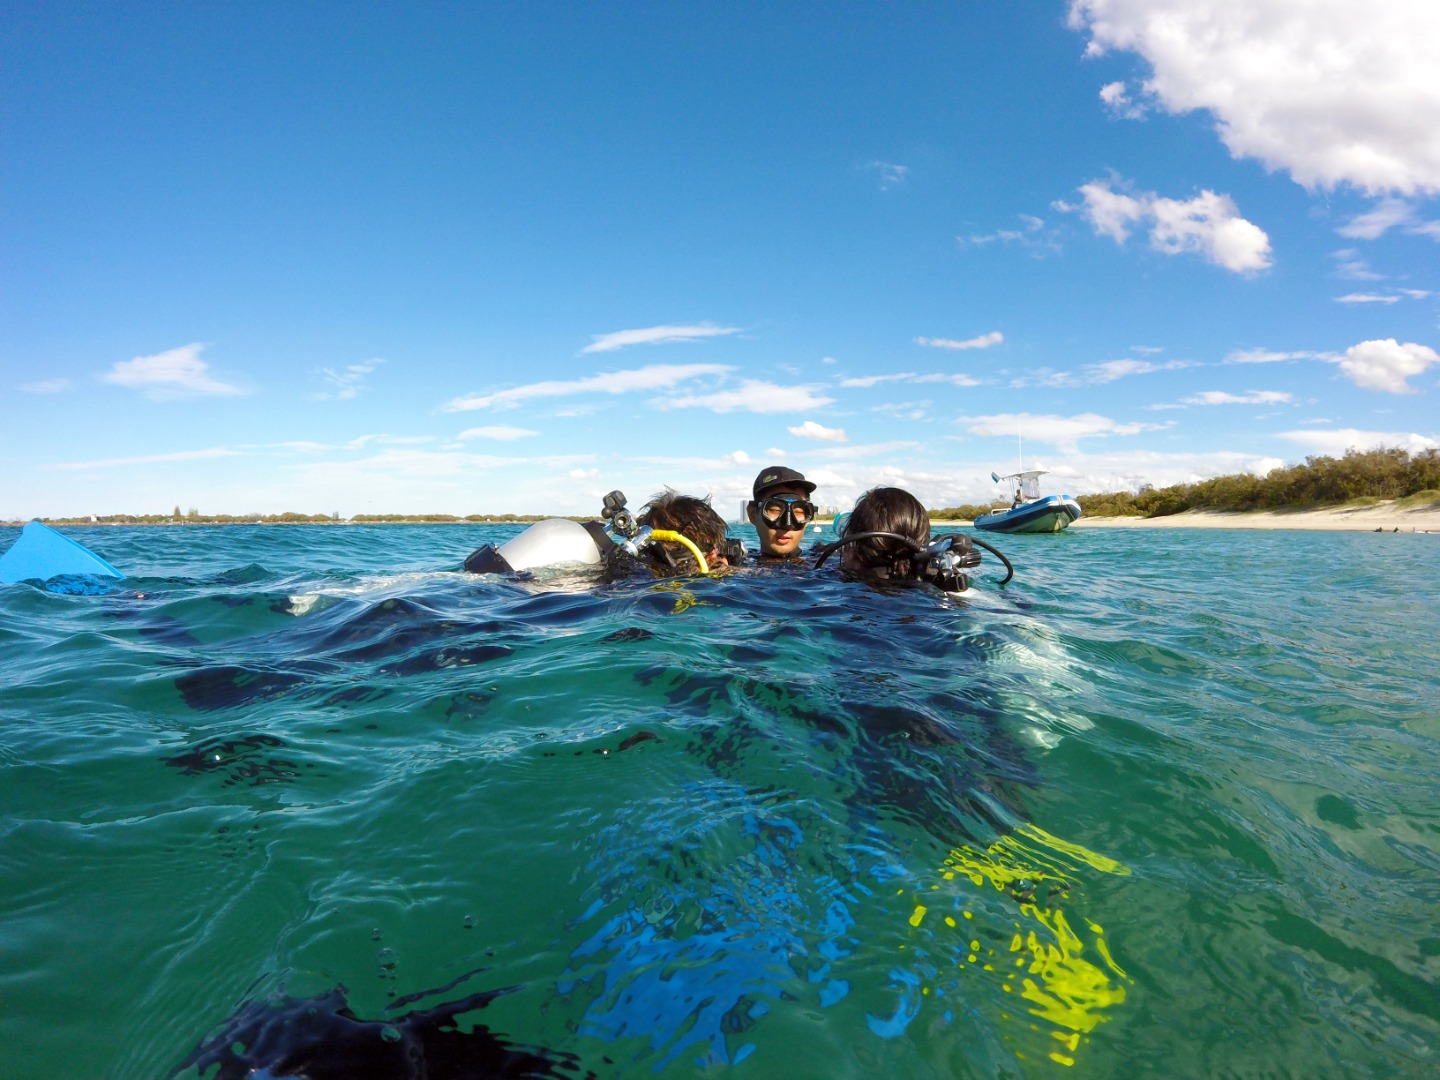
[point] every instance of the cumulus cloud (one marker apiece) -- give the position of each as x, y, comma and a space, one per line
1253, 397
811, 430
1386, 364
654, 377
1337, 442
1208, 225
753, 395
984, 341
500, 432
656, 335
1117, 99
1330, 91
348, 382
173, 374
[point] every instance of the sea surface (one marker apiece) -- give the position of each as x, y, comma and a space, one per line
1168, 804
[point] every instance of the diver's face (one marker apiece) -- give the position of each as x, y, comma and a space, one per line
783, 537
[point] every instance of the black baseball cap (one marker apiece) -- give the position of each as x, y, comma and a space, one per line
778, 476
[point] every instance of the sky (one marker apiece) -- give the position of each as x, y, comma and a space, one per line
504, 258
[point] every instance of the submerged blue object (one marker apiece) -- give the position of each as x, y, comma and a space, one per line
41, 553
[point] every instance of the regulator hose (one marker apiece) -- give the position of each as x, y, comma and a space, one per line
671, 534
825, 552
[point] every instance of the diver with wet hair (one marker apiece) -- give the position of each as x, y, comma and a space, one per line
896, 524
886, 538
674, 534
695, 520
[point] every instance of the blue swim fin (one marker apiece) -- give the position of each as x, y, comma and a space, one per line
41, 553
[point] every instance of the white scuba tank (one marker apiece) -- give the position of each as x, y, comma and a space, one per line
546, 543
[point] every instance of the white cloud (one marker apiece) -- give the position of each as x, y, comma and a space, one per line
1335, 443
1253, 397
1269, 356
347, 383
654, 377
148, 459
173, 374
1350, 265
584, 474
1109, 371
737, 457
753, 395
1390, 213
1034, 236
655, 335
1060, 431
1366, 298
1385, 216
811, 430
1330, 91
984, 341
945, 377
1118, 100
1208, 225
46, 386
1386, 364
862, 382
499, 431
890, 175
1106, 371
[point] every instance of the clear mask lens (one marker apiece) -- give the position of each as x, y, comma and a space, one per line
787, 511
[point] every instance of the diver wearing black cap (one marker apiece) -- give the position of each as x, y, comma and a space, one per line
781, 510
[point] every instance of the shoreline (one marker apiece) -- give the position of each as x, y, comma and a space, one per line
1387, 516
1381, 517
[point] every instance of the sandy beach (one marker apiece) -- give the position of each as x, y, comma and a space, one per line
1384, 517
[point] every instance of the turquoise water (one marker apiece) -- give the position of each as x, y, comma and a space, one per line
1166, 804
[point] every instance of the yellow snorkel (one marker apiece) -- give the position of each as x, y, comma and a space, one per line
671, 534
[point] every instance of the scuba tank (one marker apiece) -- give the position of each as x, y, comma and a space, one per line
546, 543
559, 540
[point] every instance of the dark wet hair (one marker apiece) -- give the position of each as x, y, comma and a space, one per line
693, 518
892, 510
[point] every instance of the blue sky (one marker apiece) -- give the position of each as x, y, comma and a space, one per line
466, 258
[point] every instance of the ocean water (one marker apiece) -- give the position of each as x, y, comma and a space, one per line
1167, 804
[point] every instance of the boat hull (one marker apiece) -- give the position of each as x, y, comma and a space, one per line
1050, 514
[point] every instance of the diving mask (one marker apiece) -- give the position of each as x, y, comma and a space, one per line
786, 512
